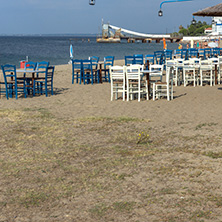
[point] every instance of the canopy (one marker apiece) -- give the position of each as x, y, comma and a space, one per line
213, 11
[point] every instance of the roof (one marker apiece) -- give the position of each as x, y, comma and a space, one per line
213, 11
208, 28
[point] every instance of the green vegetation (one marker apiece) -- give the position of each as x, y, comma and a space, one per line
193, 29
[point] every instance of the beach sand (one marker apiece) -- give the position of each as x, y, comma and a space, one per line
191, 104
176, 178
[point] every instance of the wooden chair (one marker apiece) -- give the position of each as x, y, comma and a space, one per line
136, 85
189, 74
164, 89
108, 62
13, 86
118, 81
76, 70
206, 72
46, 83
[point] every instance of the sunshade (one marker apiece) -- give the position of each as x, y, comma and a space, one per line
213, 11
71, 51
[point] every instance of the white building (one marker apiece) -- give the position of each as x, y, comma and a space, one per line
217, 26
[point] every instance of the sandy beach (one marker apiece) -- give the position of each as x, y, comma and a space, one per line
175, 175
190, 104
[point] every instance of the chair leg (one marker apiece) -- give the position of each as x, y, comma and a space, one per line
154, 87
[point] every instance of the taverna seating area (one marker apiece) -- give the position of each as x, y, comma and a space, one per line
35, 78
156, 76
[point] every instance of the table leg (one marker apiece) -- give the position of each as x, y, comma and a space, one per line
215, 74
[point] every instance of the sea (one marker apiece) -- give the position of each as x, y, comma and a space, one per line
56, 49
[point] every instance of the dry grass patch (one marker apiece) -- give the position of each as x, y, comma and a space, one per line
106, 169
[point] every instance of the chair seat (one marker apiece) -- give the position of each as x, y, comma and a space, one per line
161, 83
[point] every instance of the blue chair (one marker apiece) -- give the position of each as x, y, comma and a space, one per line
29, 66
12, 84
178, 53
95, 60
108, 62
76, 70
46, 83
184, 54
220, 51
201, 53
168, 54
192, 53
129, 60
138, 59
42, 67
87, 72
150, 58
215, 52
208, 52
158, 57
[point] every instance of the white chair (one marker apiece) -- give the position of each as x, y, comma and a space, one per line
206, 72
189, 74
219, 68
179, 71
118, 82
164, 88
156, 71
173, 64
215, 62
136, 85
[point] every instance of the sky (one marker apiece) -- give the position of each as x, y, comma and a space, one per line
78, 17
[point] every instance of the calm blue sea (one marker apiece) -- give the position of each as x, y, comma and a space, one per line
55, 49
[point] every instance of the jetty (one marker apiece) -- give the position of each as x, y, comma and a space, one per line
114, 34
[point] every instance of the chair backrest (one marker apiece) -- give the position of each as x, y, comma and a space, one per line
215, 51
184, 54
87, 65
169, 75
195, 60
156, 67
50, 73
214, 60
138, 59
158, 57
108, 61
208, 52
201, 53
117, 72
178, 53
30, 65
149, 58
188, 62
129, 60
179, 61
206, 64
95, 61
76, 64
171, 63
168, 54
42, 65
134, 72
192, 53
9, 73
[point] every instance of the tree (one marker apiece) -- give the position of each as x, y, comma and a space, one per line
194, 30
